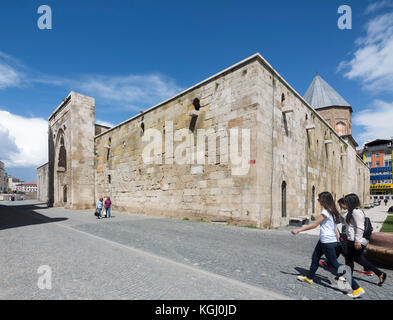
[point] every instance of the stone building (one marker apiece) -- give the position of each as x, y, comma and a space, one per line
378, 155
27, 187
3, 182
12, 183
42, 183
253, 151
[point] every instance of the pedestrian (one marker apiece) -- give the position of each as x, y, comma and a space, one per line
99, 207
108, 204
343, 238
355, 225
328, 238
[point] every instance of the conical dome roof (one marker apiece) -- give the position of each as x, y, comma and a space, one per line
320, 94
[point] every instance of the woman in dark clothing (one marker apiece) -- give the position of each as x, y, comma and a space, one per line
354, 223
108, 204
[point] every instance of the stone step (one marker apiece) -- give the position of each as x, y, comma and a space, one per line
219, 220
299, 221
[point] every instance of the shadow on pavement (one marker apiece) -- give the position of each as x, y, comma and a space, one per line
318, 279
14, 216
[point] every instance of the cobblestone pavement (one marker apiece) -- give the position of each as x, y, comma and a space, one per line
134, 256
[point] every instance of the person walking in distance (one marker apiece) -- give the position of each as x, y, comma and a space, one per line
355, 225
99, 206
327, 238
108, 204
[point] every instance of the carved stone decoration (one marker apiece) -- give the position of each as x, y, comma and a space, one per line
62, 164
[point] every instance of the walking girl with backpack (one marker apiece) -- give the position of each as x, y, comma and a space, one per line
328, 240
358, 231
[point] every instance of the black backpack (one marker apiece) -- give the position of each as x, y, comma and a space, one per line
368, 228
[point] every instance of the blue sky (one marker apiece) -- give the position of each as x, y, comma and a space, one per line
130, 55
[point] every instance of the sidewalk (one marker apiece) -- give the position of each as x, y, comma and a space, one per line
377, 216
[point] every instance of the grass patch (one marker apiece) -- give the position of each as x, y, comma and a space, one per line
250, 226
185, 219
388, 224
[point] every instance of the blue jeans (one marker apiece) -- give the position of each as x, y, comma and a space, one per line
99, 212
329, 250
108, 212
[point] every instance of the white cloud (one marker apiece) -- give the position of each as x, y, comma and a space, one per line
372, 61
376, 122
104, 123
25, 140
9, 75
8, 146
373, 7
131, 92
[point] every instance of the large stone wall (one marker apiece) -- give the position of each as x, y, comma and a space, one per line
43, 182
208, 190
251, 96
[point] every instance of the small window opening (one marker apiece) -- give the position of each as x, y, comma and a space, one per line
109, 148
284, 199
313, 199
196, 104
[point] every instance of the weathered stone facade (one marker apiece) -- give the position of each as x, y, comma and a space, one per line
71, 153
294, 153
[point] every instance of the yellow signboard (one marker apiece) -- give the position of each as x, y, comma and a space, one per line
381, 186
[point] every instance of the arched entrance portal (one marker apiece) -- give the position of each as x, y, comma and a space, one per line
60, 183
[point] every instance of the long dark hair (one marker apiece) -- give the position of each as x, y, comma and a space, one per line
326, 200
352, 201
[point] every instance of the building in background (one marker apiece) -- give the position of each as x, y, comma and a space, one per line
377, 155
12, 183
27, 187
